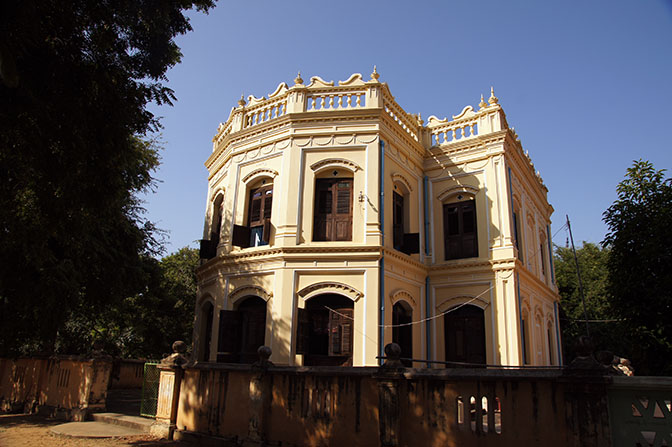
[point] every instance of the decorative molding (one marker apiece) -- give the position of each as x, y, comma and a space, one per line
259, 172
397, 177
457, 300
282, 88
317, 82
335, 163
467, 112
205, 297
402, 295
251, 100
354, 79
219, 191
455, 190
249, 290
330, 287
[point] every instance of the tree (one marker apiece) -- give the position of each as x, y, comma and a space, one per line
605, 328
640, 264
146, 324
74, 153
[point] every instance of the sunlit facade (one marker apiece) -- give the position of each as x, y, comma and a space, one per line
337, 223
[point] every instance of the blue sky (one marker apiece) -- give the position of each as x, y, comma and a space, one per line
587, 85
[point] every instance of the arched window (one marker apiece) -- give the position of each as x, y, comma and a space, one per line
460, 229
333, 207
207, 314
402, 332
464, 331
242, 331
517, 232
257, 230
525, 336
325, 330
402, 240
549, 338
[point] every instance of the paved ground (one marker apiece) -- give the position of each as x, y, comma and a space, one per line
20, 430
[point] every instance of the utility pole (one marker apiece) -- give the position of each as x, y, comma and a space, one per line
578, 274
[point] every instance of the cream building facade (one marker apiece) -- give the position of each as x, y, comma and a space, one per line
336, 223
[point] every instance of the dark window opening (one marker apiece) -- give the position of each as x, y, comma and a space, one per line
408, 243
549, 336
206, 332
242, 331
333, 210
525, 335
464, 331
516, 235
459, 221
402, 331
325, 331
257, 232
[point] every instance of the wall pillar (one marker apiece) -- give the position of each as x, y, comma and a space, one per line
260, 399
170, 380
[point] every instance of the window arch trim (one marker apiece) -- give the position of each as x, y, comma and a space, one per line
453, 191
320, 288
249, 290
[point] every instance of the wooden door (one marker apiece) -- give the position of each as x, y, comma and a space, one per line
464, 331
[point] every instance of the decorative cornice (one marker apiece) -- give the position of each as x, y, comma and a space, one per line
335, 163
249, 290
330, 287
458, 189
402, 295
398, 177
456, 300
257, 172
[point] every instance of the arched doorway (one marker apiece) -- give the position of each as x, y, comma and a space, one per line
324, 333
207, 314
242, 331
402, 331
464, 331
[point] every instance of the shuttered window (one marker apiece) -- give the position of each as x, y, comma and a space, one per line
258, 229
333, 210
398, 220
459, 226
325, 331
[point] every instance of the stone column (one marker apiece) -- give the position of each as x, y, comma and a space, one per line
170, 380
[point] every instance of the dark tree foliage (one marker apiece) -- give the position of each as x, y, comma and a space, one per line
604, 325
75, 79
146, 324
640, 265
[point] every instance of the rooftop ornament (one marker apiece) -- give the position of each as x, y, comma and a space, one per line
493, 99
241, 101
298, 80
482, 104
375, 75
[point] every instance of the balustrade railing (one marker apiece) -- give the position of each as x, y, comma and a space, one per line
402, 118
265, 111
335, 100
453, 131
315, 99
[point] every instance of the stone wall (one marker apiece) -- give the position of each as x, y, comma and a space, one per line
388, 407
66, 387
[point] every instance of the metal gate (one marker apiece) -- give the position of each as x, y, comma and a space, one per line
150, 390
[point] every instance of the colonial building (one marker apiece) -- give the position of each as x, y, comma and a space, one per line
337, 222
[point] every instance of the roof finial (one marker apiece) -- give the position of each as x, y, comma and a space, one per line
482, 104
298, 80
241, 101
375, 74
493, 99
